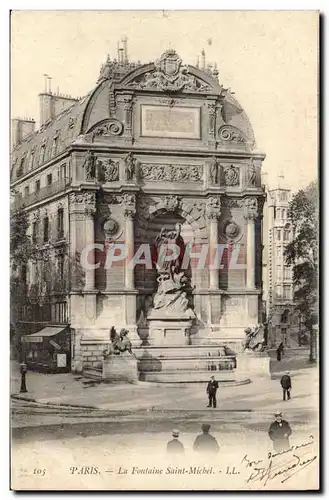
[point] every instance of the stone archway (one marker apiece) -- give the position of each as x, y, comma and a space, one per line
153, 213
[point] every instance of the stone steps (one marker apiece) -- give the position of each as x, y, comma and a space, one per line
184, 376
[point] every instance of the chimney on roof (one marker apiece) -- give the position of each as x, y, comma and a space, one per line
124, 41
52, 104
21, 128
203, 59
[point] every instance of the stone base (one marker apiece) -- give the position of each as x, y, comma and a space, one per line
121, 368
180, 364
254, 364
176, 377
169, 332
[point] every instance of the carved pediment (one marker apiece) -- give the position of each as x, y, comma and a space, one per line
169, 75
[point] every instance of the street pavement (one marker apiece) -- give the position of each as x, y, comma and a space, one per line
67, 423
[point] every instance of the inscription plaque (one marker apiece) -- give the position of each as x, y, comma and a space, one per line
163, 121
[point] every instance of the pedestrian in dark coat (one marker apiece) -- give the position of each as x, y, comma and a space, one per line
286, 385
279, 433
279, 351
175, 447
205, 443
212, 387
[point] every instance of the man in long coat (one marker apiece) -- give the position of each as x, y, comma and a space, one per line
279, 433
286, 385
212, 387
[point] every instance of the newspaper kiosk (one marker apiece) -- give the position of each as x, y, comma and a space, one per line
48, 350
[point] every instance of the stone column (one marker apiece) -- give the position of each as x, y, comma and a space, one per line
213, 213
213, 241
90, 208
129, 242
251, 214
90, 273
130, 292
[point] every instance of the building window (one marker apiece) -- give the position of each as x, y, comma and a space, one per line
279, 272
285, 316
60, 223
62, 171
284, 213
31, 160
279, 252
34, 231
26, 191
54, 146
278, 213
278, 234
287, 292
61, 266
46, 229
49, 179
283, 196
37, 186
42, 154
286, 235
287, 272
278, 292
20, 169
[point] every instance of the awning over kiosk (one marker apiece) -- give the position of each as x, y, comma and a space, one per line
49, 331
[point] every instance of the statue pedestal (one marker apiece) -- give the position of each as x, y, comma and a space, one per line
254, 364
120, 368
169, 329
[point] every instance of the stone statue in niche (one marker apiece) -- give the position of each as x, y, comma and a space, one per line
164, 238
252, 175
89, 166
231, 176
214, 166
130, 165
171, 296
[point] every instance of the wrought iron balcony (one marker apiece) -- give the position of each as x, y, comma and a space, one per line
43, 193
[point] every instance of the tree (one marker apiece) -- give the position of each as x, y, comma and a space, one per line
303, 254
21, 248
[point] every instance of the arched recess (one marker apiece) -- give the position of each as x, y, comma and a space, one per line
193, 231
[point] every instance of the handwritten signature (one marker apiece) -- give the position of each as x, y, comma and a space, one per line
295, 463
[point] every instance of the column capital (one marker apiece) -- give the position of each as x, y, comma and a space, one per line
84, 201
250, 209
213, 208
130, 213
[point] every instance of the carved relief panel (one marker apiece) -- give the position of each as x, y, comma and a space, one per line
171, 173
230, 175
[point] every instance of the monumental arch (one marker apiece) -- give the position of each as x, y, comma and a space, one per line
155, 152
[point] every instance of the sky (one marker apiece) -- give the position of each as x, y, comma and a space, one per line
268, 58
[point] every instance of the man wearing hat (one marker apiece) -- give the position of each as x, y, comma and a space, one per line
174, 446
205, 443
212, 387
286, 385
279, 433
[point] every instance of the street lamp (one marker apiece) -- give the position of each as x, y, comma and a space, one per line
23, 369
